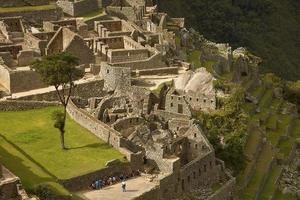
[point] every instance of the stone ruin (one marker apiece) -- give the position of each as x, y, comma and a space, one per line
173, 147
10, 186
131, 44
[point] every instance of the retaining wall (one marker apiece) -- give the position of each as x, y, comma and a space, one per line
16, 3
85, 90
12, 105
104, 132
83, 182
36, 16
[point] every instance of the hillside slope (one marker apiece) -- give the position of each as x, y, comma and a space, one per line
270, 29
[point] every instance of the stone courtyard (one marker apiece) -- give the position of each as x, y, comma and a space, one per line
135, 188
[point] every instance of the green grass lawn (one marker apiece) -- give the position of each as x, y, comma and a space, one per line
28, 8
33, 132
93, 14
22, 166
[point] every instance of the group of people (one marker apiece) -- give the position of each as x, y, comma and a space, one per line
106, 181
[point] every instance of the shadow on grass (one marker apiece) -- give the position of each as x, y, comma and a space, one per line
16, 165
94, 145
27, 156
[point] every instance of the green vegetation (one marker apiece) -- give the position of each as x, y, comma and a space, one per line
273, 124
93, 14
194, 58
230, 125
262, 165
31, 149
270, 185
268, 28
59, 70
28, 8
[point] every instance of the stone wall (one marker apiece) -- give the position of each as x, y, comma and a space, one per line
225, 192
85, 90
16, 3
83, 182
103, 131
8, 185
19, 80
127, 122
13, 105
155, 61
24, 80
4, 76
158, 71
127, 55
36, 16
78, 7
114, 76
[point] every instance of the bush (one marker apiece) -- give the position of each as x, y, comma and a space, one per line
43, 191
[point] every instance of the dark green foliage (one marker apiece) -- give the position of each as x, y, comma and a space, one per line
292, 93
59, 120
59, 70
268, 28
227, 129
43, 191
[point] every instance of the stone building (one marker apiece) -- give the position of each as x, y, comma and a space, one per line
192, 91
174, 146
10, 186
78, 7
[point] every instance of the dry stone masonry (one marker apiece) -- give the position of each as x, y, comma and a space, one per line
124, 52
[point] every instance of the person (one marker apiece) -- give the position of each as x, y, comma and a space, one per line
93, 186
97, 184
123, 185
114, 179
100, 183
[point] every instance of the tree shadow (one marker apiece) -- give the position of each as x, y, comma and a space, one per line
94, 145
26, 173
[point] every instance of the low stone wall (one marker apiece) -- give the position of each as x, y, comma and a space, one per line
90, 22
84, 90
165, 70
16, 3
84, 181
169, 115
104, 132
11, 105
36, 16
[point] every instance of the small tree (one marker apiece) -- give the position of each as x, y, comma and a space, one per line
59, 70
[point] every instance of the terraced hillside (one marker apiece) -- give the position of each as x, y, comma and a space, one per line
272, 133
